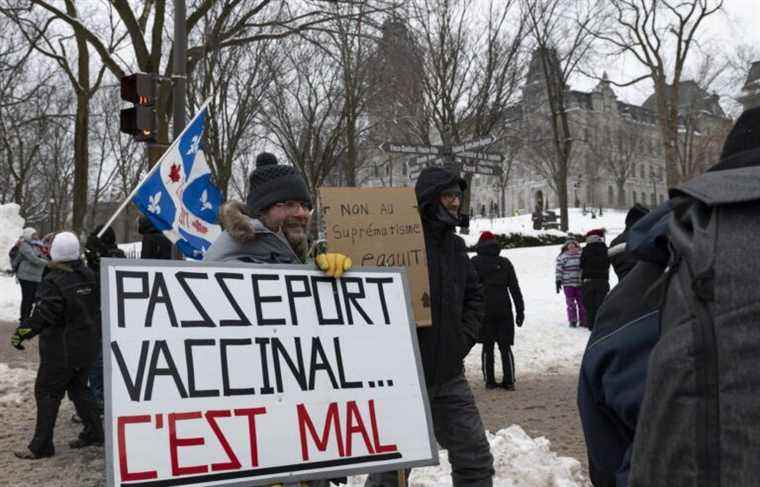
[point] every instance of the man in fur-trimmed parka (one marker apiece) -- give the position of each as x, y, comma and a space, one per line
272, 228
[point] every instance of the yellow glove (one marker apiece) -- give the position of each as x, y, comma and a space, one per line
334, 265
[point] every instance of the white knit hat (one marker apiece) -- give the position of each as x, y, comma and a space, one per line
28, 233
65, 247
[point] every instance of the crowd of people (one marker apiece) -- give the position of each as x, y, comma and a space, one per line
673, 342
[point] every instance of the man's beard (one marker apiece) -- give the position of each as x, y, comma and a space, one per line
296, 232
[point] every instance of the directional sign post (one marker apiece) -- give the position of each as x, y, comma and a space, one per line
465, 158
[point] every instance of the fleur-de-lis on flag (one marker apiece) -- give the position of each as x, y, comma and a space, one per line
153, 206
205, 204
194, 145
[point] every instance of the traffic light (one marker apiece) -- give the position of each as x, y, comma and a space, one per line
141, 89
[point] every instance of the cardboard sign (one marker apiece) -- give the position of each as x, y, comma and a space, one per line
241, 374
380, 227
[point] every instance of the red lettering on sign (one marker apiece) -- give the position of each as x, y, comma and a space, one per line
332, 420
121, 425
175, 443
354, 424
379, 448
234, 463
251, 413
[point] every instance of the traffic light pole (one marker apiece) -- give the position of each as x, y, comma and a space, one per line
179, 77
180, 65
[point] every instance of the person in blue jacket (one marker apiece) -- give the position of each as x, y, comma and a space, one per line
614, 368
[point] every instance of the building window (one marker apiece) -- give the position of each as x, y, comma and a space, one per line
377, 171
643, 198
654, 200
404, 169
641, 171
634, 197
662, 199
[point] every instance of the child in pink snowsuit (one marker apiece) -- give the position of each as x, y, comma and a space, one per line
568, 276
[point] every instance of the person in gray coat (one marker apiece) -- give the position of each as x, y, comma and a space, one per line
31, 264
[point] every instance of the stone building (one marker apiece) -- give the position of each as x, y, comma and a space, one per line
617, 158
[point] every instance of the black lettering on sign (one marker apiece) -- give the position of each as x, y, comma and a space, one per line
206, 322
350, 298
338, 320
293, 294
159, 294
122, 295
319, 362
220, 278
347, 209
189, 344
379, 281
133, 386
386, 208
226, 388
296, 368
258, 299
262, 343
344, 384
160, 348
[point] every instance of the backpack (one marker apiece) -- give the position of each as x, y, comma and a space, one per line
699, 423
14, 257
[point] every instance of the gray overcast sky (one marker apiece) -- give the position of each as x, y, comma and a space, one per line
739, 24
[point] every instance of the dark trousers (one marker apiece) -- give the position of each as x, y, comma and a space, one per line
507, 362
28, 294
51, 384
594, 292
95, 379
458, 428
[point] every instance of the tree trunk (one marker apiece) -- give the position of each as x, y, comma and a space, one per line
621, 193
82, 162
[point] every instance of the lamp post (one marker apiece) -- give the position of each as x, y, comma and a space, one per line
51, 202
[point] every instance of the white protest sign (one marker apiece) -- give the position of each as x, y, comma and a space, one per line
237, 374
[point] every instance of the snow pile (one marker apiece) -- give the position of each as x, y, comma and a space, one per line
15, 384
10, 298
519, 460
12, 224
612, 220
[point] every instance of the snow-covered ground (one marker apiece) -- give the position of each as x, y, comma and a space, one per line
544, 345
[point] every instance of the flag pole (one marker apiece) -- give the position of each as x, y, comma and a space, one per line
174, 143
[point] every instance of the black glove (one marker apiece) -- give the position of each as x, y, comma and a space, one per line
22, 333
559, 286
520, 319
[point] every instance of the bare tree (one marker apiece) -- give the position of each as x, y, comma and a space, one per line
304, 110
660, 35
617, 151
562, 43
471, 66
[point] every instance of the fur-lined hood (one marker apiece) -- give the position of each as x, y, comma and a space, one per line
247, 239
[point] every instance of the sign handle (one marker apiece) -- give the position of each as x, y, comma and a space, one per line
402, 478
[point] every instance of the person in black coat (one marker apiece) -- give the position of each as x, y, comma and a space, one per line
154, 244
497, 275
621, 259
614, 368
595, 273
66, 319
457, 312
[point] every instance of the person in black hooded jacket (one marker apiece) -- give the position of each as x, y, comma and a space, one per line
65, 317
499, 281
457, 307
154, 244
621, 259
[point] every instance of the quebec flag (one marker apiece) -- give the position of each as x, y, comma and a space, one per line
179, 197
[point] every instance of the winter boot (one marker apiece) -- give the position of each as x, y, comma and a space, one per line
573, 324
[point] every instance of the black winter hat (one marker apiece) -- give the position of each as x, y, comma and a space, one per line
745, 134
272, 183
635, 214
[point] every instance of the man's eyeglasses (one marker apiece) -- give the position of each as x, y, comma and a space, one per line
294, 206
451, 195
